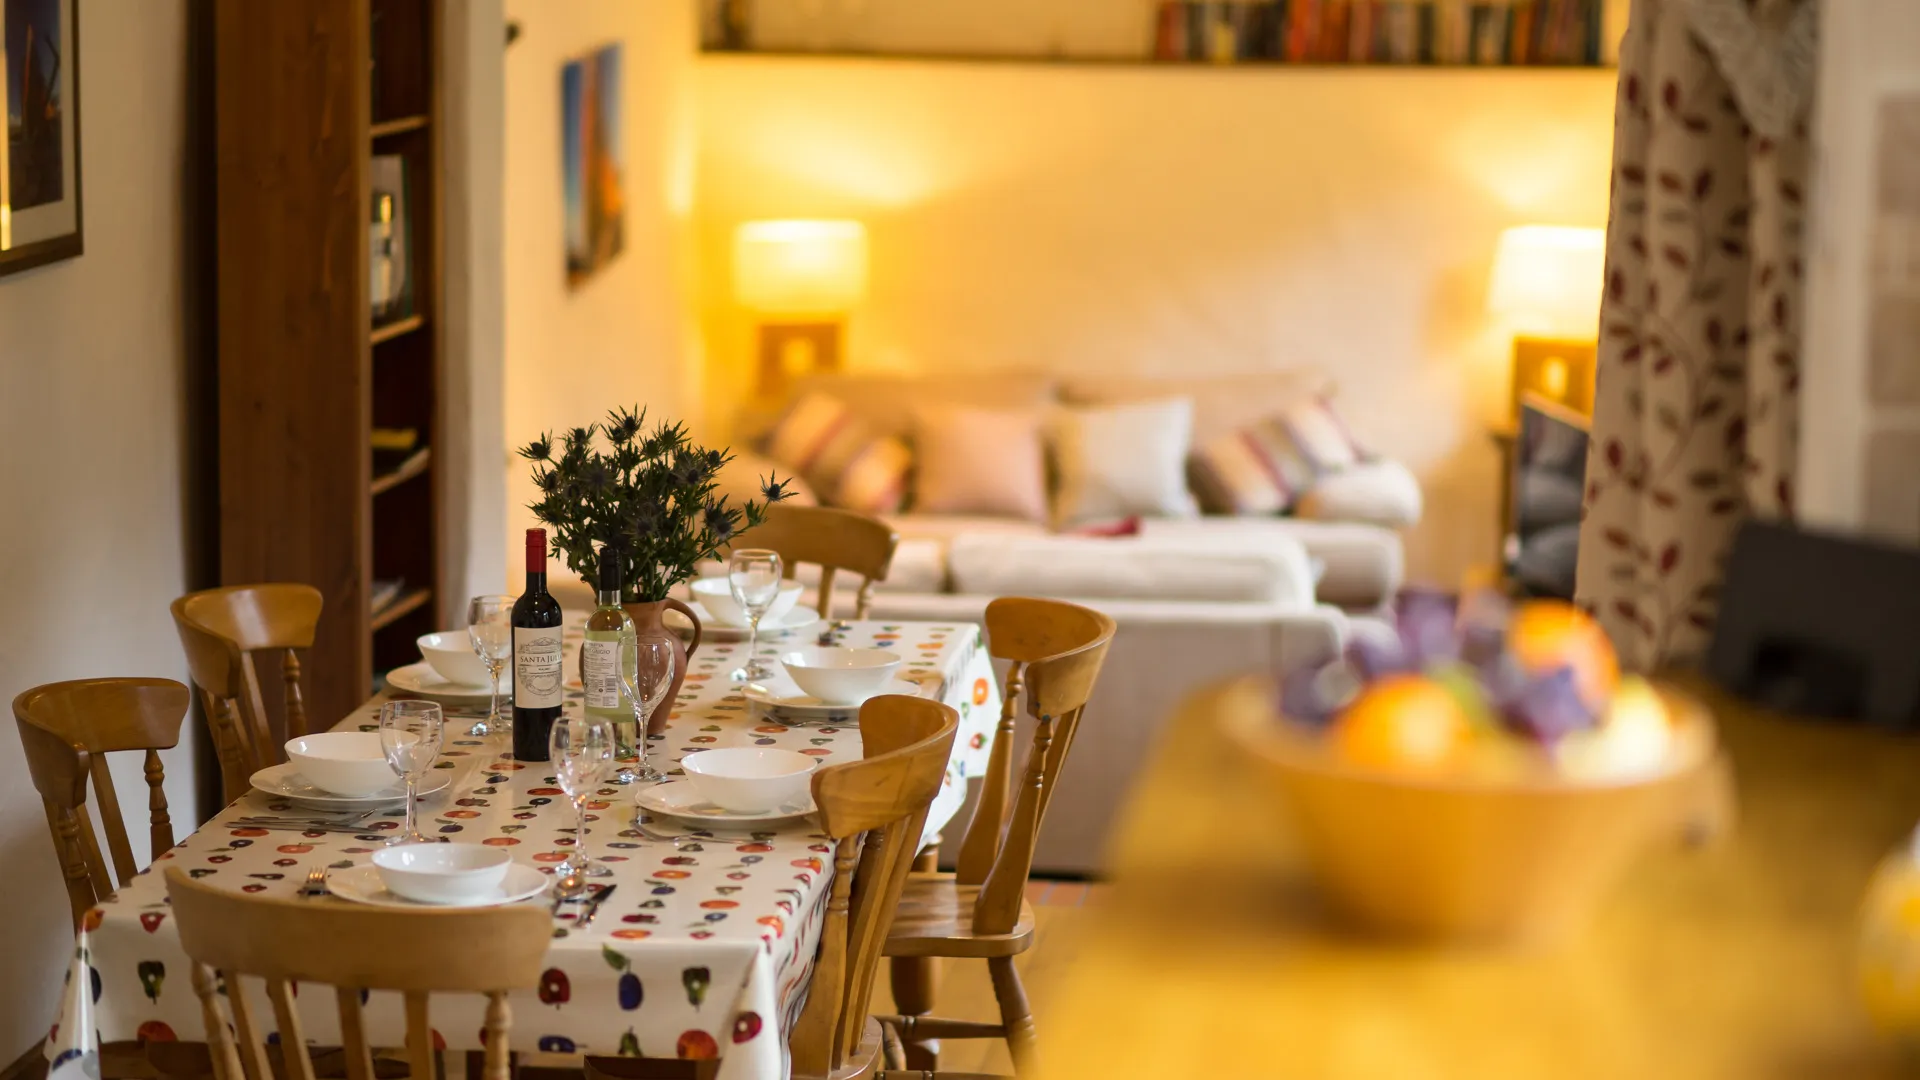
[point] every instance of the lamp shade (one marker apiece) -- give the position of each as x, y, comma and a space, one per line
1547, 279
798, 268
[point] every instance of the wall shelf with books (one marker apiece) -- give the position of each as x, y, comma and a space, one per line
1259, 34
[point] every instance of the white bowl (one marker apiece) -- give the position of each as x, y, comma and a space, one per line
450, 652
840, 676
750, 779
343, 762
716, 595
442, 873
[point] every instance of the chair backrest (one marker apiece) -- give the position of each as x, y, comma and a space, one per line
1054, 651
221, 630
67, 730
831, 539
876, 808
352, 948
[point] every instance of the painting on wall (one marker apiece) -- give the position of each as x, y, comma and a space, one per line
40, 158
591, 162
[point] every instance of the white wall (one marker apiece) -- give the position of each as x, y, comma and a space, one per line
92, 409
1173, 220
621, 338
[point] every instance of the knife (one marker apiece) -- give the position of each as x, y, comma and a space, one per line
593, 907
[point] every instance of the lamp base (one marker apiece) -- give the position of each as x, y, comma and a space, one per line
1558, 369
789, 350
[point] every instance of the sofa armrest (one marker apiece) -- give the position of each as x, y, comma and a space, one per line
1381, 492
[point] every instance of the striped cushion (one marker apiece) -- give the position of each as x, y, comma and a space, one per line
1321, 436
841, 458
1255, 470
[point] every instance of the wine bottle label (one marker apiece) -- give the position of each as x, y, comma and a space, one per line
602, 674
536, 667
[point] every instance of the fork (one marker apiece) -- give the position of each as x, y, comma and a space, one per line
316, 882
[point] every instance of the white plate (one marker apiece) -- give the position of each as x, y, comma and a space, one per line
676, 798
421, 679
362, 886
285, 781
799, 617
778, 695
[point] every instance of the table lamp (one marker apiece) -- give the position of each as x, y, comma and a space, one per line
800, 278
1546, 283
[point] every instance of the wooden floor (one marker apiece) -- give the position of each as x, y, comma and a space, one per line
965, 994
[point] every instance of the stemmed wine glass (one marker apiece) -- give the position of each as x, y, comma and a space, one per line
646, 670
580, 749
410, 734
753, 575
490, 628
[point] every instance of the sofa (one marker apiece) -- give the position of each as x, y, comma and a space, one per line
1197, 597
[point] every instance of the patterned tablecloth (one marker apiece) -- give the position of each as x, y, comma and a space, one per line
703, 951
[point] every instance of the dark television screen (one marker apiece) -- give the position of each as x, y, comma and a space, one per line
1550, 463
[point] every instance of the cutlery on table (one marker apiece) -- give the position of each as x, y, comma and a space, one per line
566, 889
593, 907
316, 882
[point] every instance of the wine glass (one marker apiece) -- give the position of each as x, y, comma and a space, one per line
579, 748
489, 627
753, 574
646, 670
410, 734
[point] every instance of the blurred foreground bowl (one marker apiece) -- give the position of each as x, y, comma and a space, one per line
1459, 859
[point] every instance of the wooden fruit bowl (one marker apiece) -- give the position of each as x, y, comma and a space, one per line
1459, 859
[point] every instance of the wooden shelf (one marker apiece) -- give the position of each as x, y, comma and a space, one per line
391, 330
398, 126
414, 466
1143, 61
403, 606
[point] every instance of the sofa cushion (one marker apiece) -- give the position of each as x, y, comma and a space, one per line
1197, 567
1375, 492
886, 403
1123, 459
849, 463
1365, 564
980, 461
1255, 469
1220, 403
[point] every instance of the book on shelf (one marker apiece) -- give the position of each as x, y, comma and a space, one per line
1435, 32
385, 591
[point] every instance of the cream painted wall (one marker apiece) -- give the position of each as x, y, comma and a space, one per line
1148, 220
623, 336
93, 407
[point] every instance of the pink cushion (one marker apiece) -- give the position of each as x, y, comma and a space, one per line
980, 461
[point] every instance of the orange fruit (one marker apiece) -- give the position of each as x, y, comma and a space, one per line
1407, 723
1547, 635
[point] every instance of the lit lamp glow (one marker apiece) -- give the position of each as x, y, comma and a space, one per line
1546, 283
801, 278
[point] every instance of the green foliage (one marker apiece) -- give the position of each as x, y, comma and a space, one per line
648, 496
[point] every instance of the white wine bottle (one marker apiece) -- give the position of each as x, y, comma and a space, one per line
609, 634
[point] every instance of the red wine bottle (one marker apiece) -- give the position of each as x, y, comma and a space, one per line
538, 685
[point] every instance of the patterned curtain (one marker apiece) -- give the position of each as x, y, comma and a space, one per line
1696, 411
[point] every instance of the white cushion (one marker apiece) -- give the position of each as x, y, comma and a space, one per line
1376, 492
1198, 567
1123, 460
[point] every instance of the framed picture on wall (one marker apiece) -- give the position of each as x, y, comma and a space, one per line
591, 163
40, 157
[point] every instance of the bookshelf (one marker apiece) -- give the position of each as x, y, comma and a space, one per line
308, 93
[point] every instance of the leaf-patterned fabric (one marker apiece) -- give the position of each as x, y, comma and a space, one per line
1696, 411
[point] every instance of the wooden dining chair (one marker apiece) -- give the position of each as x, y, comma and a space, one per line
229, 935
831, 539
1054, 651
67, 730
876, 808
222, 630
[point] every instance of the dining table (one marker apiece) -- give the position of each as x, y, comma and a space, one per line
703, 950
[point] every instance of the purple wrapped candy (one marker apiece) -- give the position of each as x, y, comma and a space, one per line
1426, 621
1373, 656
1547, 707
1315, 694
